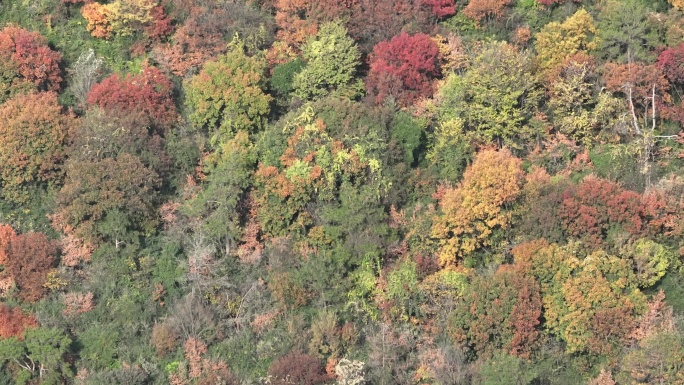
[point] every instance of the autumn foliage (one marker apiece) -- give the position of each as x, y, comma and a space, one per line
589, 209
29, 258
149, 92
33, 131
404, 68
13, 321
474, 209
504, 314
297, 368
27, 63
483, 10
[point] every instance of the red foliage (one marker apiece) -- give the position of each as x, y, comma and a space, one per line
161, 24
591, 207
638, 80
29, 259
13, 322
148, 92
297, 368
441, 8
670, 63
403, 67
29, 59
373, 21
504, 312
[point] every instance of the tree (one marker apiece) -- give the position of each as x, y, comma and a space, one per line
372, 21
109, 133
627, 32
639, 84
557, 42
30, 274
503, 315
13, 321
590, 301
41, 354
149, 92
404, 68
227, 95
108, 199
297, 368
206, 26
484, 10
497, 98
595, 206
577, 111
332, 59
473, 210
229, 173
33, 131
27, 63
296, 21
441, 8
120, 17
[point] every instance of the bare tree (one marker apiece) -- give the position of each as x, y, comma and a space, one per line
83, 74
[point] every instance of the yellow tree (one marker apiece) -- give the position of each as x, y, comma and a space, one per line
556, 42
120, 16
473, 210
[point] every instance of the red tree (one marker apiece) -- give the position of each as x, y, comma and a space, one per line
29, 259
591, 207
27, 62
670, 63
637, 82
441, 8
373, 21
403, 67
504, 312
13, 321
149, 92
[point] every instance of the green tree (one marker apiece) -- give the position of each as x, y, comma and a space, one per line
229, 174
332, 59
504, 369
628, 33
39, 354
227, 95
496, 98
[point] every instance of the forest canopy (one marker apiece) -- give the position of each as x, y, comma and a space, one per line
411, 192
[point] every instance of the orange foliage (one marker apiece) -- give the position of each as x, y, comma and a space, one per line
97, 16
33, 131
473, 210
13, 322
291, 16
480, 10
7, 234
